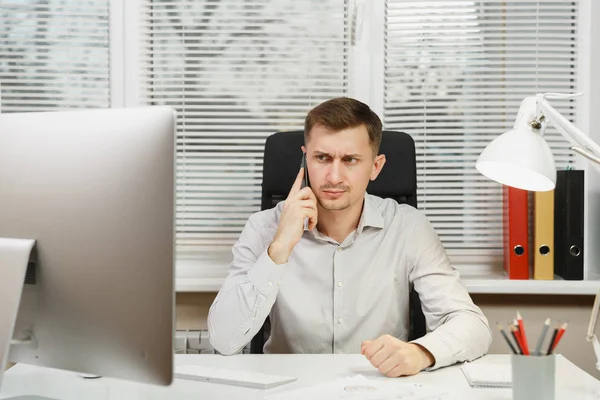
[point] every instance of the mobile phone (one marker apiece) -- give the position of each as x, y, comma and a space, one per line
305, 181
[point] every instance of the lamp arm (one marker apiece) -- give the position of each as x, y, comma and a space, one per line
586, 154
583, 144
592, 327
593, 317
596, 348
590, 337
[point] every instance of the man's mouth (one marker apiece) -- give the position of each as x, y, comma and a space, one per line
333, 194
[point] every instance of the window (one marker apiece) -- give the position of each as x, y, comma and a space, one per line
455, 75
54, 54
236, 72
450, 73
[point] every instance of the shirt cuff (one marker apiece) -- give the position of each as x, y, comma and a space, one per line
266, 275
438, 349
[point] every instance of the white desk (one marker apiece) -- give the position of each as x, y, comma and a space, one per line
572, 382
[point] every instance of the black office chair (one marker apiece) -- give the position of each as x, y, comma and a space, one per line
397, 180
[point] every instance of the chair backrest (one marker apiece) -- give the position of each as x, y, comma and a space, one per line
397, 180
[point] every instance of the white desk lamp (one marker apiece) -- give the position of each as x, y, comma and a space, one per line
521, 158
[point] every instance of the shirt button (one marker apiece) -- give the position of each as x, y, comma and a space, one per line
269, 284
339, 249
278, 283
340, 320
340, 284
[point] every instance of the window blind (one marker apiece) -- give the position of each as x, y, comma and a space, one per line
236, 71
54, 54
455, 75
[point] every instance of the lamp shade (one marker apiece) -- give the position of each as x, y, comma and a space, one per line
520, 158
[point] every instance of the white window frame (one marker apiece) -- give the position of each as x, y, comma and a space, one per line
124, 53
366, 74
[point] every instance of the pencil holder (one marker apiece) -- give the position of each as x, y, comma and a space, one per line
533, 377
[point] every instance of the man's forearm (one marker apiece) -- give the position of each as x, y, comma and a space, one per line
278, 253
463, 337
243, 304
236, 317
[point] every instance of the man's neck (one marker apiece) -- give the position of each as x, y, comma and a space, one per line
338, 224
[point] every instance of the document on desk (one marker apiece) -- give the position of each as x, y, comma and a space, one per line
358, 387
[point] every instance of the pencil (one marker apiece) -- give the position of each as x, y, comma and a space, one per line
512, 348
523, 335
515, 334
538, 347
552, 341
519, 334
559, 335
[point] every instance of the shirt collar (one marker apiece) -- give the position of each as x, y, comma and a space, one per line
371, 216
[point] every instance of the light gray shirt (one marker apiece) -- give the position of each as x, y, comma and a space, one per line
331, 296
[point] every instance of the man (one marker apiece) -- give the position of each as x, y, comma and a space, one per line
340, 281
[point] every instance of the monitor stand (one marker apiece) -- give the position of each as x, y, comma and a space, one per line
16, 256
14, 260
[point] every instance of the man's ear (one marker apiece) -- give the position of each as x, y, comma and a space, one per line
303, 148
377, 166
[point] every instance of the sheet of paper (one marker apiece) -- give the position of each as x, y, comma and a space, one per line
359, 387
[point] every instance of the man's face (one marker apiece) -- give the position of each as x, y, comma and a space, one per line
340, 165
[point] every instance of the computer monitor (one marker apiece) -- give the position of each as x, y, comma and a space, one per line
95, 190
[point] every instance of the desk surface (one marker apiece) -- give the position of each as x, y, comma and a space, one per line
572, 382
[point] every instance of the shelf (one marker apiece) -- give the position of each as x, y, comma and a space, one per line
555, 287
478, 279
484, 280
481, 285
186, 285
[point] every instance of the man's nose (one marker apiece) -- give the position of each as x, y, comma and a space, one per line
334, 174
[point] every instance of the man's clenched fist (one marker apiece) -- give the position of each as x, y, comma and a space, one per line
393, 357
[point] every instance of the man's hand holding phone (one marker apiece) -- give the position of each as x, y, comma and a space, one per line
301, 203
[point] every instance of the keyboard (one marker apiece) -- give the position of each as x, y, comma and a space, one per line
231, 376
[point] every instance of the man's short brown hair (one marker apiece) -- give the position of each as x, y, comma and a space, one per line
343, 113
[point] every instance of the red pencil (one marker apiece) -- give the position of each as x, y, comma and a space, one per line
523, 335
559, 335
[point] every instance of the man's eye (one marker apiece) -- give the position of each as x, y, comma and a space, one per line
321, 157
351, 160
